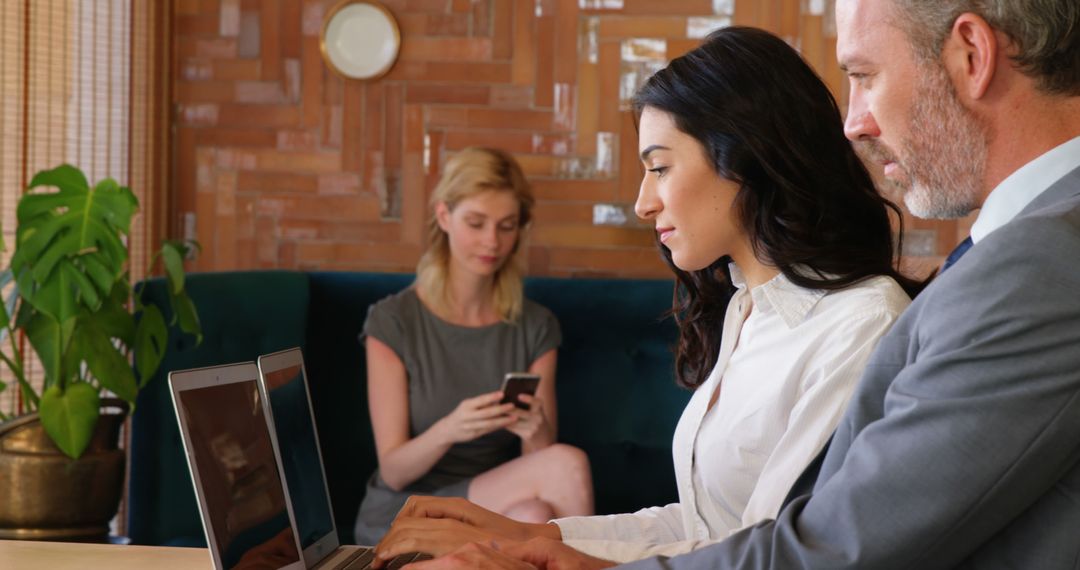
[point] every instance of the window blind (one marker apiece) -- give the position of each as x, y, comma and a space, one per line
82, 82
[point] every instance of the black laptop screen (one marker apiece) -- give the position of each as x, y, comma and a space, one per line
245, 502
293, 424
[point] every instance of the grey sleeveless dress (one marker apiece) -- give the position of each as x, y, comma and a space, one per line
445, 364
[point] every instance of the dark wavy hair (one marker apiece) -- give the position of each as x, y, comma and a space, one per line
806, 201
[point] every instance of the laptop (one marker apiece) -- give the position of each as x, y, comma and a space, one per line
230, 455
283, 383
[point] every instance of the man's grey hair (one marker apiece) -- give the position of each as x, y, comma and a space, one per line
1046, 34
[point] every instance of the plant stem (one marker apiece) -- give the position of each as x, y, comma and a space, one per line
15, 364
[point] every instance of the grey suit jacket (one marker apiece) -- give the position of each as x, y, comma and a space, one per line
961, 445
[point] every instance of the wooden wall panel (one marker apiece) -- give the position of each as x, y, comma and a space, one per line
285, 164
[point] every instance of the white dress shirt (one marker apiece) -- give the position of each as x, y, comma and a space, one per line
789, 360
1024, 185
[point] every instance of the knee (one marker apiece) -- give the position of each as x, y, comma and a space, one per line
569, 459
531, 511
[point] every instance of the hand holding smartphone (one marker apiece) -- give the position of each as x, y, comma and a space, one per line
517, 383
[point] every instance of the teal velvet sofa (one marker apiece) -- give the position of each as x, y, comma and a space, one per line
617, 398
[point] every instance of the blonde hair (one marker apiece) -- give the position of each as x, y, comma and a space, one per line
470, 172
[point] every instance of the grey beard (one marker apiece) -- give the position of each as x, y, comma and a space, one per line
931, 204
945, 154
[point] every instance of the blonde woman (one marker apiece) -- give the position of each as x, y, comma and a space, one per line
437, 353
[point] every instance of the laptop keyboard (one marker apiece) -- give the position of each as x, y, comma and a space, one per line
406, 558
362, 558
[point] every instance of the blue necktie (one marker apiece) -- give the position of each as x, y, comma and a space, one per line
956, 254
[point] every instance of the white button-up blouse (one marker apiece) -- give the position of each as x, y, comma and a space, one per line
789, 360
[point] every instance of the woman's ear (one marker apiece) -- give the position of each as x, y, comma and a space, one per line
442, 216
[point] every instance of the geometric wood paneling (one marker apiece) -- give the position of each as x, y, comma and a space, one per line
285, 164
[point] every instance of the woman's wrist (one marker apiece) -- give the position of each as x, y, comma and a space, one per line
544, 530
544, 435
538, 441
442, 435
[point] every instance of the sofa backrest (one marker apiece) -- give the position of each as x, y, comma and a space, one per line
617, 399
337, 375
615, 384
243, 315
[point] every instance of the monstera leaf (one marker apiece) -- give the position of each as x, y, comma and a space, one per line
151, 337
76, 306
69, 248
69, 416
51, 339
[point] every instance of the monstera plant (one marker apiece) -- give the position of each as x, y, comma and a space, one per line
74, 302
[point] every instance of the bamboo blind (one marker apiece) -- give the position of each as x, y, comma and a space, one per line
83, 82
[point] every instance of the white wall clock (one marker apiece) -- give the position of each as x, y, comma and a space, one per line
360, 39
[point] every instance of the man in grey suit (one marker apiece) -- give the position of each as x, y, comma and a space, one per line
961, 446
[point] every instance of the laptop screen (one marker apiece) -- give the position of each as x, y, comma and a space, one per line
230, 443
294, 426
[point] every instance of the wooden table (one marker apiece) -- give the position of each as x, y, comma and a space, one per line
19, 554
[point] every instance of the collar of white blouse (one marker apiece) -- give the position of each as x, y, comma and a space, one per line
790, 301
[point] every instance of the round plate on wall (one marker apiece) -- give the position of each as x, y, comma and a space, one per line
360, 39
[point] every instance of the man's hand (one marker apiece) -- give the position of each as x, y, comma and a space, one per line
473, 556
540, 553
548, 554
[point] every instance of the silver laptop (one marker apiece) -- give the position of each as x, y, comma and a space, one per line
230, 455
283, 382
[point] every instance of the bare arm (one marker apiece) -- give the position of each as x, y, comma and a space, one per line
404, 459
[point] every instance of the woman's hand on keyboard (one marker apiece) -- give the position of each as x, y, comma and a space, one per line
471, 514
431, 536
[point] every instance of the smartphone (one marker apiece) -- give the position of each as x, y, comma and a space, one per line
517, 383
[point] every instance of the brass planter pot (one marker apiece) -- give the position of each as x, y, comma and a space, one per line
45, 495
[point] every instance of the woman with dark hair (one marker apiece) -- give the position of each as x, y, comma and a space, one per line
787, 278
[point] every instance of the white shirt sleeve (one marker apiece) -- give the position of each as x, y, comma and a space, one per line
653, 524
624, 552
623, 537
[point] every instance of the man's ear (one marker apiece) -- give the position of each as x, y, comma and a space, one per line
970, 55
442, 216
